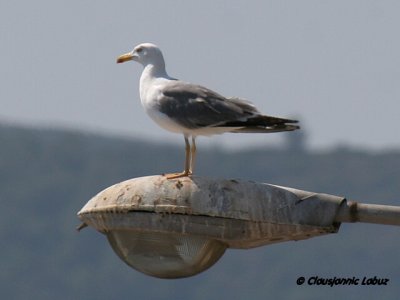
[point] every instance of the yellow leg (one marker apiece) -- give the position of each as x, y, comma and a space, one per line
193, 156
188, 161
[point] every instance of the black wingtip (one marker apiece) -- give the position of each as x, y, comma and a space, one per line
266, 129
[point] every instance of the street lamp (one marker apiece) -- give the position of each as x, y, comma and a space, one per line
178, 228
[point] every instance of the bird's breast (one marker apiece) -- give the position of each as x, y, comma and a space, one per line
150, 95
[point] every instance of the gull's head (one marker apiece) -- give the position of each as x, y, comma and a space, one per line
144, 54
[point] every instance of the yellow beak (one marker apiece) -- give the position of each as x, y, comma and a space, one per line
124, 57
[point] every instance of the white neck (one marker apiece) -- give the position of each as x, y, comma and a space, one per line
150, 74
155, 70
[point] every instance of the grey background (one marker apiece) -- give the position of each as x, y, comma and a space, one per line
333, 64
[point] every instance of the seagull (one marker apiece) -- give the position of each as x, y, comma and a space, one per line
194, 110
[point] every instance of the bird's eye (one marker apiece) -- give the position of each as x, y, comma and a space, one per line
138, 50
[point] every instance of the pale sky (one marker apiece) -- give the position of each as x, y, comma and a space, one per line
333, 64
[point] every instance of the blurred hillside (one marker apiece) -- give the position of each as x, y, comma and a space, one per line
46, 176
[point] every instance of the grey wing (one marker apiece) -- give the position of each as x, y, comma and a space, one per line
195, 106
